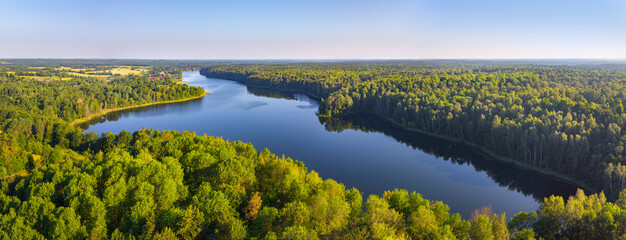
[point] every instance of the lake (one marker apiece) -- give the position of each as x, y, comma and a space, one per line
360, 151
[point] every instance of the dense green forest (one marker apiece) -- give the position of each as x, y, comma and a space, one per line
154, 184
167, 184
36, 114
565, 119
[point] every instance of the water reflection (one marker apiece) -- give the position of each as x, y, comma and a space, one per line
529, 183
175, 108
361, 151
282, 94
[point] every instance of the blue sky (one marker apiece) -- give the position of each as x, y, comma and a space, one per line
320, 29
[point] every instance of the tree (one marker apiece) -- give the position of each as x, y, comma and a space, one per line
481, 228
422, 224
165, 234
253, 207
67, 225
191, 224
550, 214
299, 233
526, 234
499, 228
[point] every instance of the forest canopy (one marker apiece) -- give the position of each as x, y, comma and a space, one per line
565, 119
60, 182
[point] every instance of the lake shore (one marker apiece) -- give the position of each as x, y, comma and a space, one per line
107, 111
488, 153
309, 94
482, 150
245, 83
485, 152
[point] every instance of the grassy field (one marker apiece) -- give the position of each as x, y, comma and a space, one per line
121, 70
88, 75
99, 72
64, 68
127, 70
69, 69
55, 78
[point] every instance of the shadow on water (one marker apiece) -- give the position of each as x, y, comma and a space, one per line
271, 93
284, 94
191, 106
526, 181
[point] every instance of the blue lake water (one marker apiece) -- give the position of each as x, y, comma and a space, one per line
361, 151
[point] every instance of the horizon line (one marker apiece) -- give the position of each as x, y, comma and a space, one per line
306, 59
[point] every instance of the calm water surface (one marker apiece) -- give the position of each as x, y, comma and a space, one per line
361, 151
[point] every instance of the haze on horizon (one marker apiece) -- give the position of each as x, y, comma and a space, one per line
323, 29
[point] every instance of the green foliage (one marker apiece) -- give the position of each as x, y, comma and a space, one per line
191, 224
155, 184
481, 228
567, 119
525, 234
142, 191
36, 114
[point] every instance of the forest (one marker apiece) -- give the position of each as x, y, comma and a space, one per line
60, 182
176, 185
37, 114
566, 120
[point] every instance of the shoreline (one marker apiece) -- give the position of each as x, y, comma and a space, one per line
310, 95
481, 150
245, 83
488, 153
107, 111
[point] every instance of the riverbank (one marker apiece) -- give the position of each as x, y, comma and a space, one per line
107, 111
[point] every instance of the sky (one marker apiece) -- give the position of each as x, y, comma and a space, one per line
320, 29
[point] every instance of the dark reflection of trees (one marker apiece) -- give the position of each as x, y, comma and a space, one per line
507, 175
264, 92
527, 182
283, 94
192, 105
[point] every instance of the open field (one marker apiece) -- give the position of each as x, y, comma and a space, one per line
72, 71
127, 70
102, 72
88, 75
92, 72
55, 78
